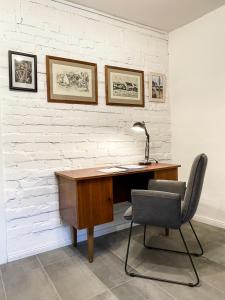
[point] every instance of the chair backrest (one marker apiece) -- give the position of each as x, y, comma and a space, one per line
194, 187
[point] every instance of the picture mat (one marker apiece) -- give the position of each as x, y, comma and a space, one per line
120, 77
156, 76
72, 66
127, 100
20, 58
160, 83
60, 90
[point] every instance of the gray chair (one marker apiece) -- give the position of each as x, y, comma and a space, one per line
161, 205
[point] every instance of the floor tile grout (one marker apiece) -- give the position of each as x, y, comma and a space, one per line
49, 279
3, 285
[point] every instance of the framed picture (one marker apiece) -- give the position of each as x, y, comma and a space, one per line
157, 87
22, 71
71, 81
124, 86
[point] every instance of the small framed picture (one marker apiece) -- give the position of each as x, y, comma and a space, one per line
157, 87
22, 71
124, 86
71, 81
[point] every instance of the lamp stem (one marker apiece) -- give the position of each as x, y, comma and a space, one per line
147, 148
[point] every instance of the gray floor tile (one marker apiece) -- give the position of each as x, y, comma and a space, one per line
65, 273
203, 292
57, 255
25, 280
212, 273
2, 292
140, 289
216, 253
209, 234
74, 280
108, 267
117, 244
108, 295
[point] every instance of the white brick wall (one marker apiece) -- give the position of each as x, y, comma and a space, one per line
40, 137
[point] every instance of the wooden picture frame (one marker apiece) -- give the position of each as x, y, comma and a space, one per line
71, 81
22, 71
124, 87
157, 87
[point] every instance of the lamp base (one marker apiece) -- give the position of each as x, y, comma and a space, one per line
145, 162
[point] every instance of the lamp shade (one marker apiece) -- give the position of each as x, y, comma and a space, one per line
139, 126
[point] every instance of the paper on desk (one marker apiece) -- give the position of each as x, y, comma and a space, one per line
132, 167
112, 170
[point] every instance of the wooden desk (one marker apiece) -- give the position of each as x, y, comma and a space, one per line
86, 196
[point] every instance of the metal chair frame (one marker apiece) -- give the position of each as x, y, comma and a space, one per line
188, 253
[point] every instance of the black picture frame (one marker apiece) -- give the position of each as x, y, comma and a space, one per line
26, 87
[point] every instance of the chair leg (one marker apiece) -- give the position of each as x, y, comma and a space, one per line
128, 248
190, 258
167, 231
200, 246
132, 274
175, 251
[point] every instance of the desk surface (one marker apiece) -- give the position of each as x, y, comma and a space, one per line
95, 173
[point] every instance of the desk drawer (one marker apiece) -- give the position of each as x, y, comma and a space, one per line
168, 174
94, 202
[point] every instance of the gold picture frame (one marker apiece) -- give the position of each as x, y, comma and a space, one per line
71, 81
124, 87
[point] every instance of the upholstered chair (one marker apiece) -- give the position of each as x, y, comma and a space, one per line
168, 204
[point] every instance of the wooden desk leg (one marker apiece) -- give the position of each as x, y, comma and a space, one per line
90, 241
74, 237
167, 231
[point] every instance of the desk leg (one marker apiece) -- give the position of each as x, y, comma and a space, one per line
90, 241
167, 231
74, 237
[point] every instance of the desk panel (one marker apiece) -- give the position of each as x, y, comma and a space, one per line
95, 205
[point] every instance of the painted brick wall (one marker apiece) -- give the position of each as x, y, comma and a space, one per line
40, 137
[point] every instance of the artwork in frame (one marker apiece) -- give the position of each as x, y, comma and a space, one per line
71, 81
124, 86
22, 71
157, 87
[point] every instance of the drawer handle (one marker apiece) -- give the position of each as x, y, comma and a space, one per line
109, 199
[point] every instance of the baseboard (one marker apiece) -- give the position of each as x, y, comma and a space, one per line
106, 229
29, 252
210, 221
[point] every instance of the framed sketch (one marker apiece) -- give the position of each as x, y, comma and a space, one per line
124, 86
22, 71
157, 87
71, 81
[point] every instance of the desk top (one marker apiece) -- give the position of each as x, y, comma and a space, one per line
82, 174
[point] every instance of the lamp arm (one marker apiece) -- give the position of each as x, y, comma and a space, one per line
147, 148
147, 143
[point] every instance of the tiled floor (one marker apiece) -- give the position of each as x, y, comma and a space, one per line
65, 273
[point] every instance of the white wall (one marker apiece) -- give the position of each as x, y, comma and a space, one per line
40, 137
3, 239
197, 94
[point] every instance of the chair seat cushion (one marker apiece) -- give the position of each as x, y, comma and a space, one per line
128, 214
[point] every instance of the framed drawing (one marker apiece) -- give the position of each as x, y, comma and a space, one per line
157, 87
71, 81
124, 86
22, 71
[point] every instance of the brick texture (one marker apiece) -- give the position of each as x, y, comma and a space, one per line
40, 137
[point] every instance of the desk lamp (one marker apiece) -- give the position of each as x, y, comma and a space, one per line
140, 127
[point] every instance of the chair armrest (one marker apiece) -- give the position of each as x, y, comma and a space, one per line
156, 208
171, 186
